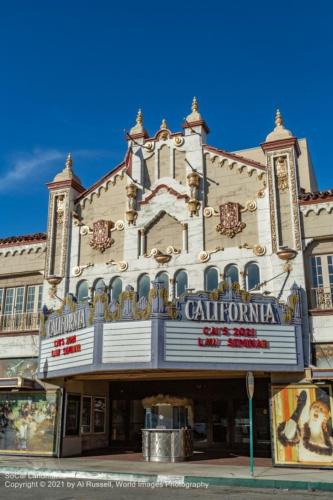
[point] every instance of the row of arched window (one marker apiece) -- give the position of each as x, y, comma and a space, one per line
180, 282
251, 276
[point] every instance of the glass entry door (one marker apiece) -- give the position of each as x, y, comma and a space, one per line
219, 418
127, 420
119, 424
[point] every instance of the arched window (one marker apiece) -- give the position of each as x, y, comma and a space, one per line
143, 286
231, 273
116, 288
252, 275
99, 285
164, 277
180, 283
211, 279
82, 292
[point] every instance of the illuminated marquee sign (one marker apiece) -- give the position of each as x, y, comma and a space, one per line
225, 328
232, 337
209, 310
65, 346
69, 322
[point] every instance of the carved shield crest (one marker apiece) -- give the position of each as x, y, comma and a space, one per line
230, 219
101, 235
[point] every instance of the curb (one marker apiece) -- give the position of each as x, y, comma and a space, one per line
167, 479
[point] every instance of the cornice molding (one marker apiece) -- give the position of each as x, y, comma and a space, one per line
281, 143
71, 183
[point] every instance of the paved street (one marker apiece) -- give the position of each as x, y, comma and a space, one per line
12, 488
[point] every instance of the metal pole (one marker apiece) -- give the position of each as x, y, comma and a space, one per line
251, 437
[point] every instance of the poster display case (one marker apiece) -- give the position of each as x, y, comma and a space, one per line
29, 422
302, 425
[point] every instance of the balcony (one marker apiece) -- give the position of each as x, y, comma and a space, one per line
20, 322
322, 298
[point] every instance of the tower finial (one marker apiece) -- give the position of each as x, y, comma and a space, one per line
195, 105
138, 127
67, 173
194, 116
69, 162
279, 132
139, 118
163, 124
278, 118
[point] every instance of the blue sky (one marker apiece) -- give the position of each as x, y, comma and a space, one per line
74, 73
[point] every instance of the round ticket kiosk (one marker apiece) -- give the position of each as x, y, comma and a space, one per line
167, 436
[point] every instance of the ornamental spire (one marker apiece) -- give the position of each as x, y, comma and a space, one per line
195, 115
163, 124
139, 118
67, 173
278, 118
69, 163
279, 132
194, 106
138, 127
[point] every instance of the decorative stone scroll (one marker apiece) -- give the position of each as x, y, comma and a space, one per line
204, 255
77, 270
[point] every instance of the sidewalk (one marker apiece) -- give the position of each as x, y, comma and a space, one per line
110, 468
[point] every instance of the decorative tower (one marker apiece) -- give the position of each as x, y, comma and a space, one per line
194, 123
136, 138
282, 150
63, 191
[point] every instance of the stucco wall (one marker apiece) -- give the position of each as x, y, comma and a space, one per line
109, 205
164, 232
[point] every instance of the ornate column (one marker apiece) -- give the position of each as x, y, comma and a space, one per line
142, 241
131, 212
185, 236
193, 180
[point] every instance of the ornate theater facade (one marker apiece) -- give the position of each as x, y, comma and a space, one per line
172, 277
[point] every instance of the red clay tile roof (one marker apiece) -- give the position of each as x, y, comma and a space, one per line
24, 239
316, 197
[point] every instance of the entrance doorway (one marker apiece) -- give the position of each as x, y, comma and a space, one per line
126, 422
220, 419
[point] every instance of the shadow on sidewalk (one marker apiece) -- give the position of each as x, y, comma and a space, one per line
213, 457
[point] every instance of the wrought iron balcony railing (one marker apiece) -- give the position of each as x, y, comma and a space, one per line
19, 322
322, 298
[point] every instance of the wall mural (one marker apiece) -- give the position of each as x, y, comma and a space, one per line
28, 422
302, 425
18, 367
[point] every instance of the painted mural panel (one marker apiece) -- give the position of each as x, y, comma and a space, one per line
18, 367
323, 355
28, 423
302, 425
